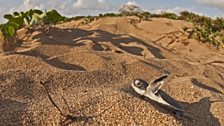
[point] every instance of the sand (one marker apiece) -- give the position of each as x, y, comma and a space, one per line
88, 69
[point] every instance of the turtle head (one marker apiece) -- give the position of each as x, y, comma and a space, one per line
139, 86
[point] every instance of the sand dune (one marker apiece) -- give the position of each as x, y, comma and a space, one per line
92, 65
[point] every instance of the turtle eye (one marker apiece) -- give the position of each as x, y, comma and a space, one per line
138, 83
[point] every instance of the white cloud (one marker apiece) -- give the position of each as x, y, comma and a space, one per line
93, 4
131, 3
28, 4
130, 8
65, 7
215, 3
175, 10
80, 4
101, 1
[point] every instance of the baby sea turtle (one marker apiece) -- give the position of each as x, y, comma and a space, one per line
152, 91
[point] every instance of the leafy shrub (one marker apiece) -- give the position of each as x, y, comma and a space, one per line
166, 15
109, 15
88, 19
77, 18
28, 19
205, 29
144, 15
53, 17
187, 16
8, 29
8, 35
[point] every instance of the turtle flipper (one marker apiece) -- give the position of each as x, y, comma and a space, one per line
157, 84
158, 98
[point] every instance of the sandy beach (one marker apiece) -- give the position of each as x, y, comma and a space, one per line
88, 69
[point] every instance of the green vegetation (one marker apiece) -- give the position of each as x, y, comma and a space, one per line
77, 18
166, 15
205, 29
29, 20
144, 16
88, 19
110, 15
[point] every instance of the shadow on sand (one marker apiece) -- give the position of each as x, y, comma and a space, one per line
13, 113
201, 85
194, 114
55, 62
75, 37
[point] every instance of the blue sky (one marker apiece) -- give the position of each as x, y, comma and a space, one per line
70, 8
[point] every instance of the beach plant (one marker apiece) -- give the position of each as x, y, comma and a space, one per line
205, 29
8, 29
88, 19
144, 16
77, 18
165, 15
53, 17
110, 15
8, 35
188, 16
29, 20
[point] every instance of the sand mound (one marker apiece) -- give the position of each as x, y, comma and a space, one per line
88, 69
